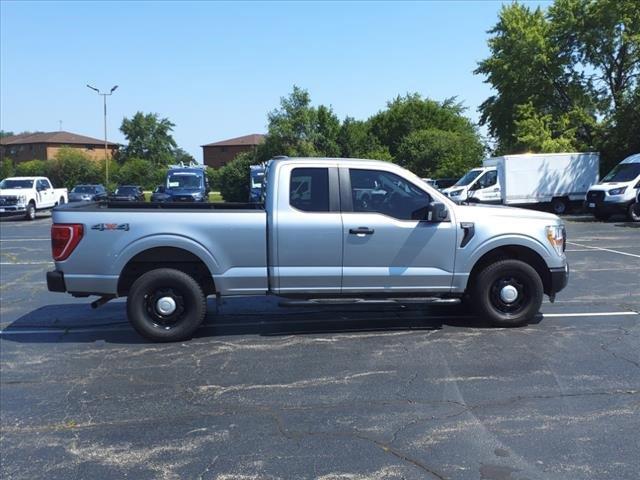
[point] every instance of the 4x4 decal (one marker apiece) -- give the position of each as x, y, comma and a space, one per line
111, 226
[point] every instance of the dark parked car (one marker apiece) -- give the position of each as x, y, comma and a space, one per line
441, 183
87, 193
160, 194
127, 193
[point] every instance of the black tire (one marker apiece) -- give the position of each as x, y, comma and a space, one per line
61, 201
559, 206
603, 217
142, 309
31, 212
633, 212
493, 278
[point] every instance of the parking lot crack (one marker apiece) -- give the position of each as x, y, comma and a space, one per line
607, 348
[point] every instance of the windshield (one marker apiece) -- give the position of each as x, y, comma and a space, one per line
469, 177
184, 180
83, 189
126, 191
624, 172
9, 183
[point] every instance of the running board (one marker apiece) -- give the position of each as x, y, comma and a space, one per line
369, 301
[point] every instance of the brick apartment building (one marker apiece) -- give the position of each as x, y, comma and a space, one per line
45, 146
217, 154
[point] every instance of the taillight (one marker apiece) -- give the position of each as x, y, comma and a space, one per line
64, 239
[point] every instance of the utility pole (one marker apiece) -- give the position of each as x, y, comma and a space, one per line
106, 152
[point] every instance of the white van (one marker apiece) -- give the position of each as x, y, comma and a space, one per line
617, 192
552, 178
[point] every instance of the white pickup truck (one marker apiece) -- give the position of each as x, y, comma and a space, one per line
26, 195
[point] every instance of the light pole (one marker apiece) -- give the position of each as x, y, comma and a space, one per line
106, 153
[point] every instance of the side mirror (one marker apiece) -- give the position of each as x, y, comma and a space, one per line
437, 212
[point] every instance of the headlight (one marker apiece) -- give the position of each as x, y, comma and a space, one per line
618, 191
556, 237
455, 193
22, 199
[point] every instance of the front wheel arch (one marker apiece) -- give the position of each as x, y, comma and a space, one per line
513, 252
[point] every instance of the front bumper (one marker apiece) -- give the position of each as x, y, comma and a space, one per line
607, 207
10, 210
55, 281
559, 278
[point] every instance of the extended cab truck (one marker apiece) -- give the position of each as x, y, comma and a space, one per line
26, 195
322, 242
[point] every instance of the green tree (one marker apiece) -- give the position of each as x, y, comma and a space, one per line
149, 138
7, 169
440, 153
4, 133
234, 178
411, 113
32, 168
356, 141
298, 129
71, 167
562, 78
139, 171
180, 155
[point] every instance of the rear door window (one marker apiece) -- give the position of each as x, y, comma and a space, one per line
309, 189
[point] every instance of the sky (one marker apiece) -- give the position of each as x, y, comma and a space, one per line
216, 69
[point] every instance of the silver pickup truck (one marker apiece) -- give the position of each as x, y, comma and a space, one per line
333, 230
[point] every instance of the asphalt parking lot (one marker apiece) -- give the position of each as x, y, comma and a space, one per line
269, 392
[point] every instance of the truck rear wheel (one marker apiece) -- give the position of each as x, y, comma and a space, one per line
559, 205
633, 213
31, 212
508, 293
166, 305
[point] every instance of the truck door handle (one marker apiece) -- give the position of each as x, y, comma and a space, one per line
361, 231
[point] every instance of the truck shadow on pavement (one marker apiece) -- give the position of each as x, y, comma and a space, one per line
78, 323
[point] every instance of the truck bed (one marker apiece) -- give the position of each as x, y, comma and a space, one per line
138, 206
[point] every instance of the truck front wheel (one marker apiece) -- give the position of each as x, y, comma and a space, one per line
31, 211
166, 305
508, 293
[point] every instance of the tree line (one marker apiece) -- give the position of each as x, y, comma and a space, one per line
564, 79
143, 160
430, 138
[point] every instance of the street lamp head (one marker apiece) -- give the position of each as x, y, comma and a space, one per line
113, 89
93, 88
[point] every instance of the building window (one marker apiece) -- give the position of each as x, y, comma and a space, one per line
223, 149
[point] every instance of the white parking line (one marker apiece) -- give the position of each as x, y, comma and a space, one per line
604, 249
589, 314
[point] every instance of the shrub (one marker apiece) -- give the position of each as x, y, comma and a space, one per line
138, 171
71, 167
234, 178
32, 168
7, 168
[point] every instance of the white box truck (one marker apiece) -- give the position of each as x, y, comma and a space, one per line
555, 179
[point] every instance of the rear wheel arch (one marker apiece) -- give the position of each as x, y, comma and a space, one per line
513, 252
166, 257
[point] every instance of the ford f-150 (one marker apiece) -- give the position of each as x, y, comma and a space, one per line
316, 238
